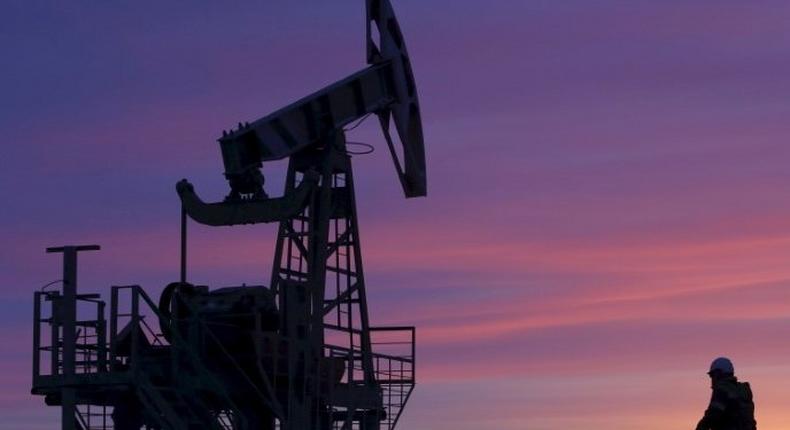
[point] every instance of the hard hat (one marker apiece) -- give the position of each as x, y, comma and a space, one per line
723, 365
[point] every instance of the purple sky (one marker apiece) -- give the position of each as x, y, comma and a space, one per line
608, 202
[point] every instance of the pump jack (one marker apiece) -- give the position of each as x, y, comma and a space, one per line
298, 355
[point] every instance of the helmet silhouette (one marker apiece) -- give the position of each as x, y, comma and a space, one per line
723, 365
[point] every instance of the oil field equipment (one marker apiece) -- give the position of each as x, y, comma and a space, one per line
299, 354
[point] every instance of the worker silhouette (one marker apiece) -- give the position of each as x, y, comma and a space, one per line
731, 406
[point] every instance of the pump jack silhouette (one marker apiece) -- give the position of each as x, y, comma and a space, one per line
298, 355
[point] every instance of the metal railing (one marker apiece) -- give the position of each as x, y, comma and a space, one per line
91, 352
93, 417
394, 354
394, 359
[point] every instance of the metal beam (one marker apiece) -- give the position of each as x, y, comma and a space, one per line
68, 320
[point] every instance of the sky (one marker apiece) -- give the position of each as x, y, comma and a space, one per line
607, 210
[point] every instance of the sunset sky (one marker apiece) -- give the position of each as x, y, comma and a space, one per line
608, 189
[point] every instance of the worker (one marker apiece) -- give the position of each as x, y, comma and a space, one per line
731, 406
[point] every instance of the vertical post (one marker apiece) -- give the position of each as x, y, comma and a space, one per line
68, 320
183, 244
36, 335
414, 355
54, 333
135, 324
113, 325
101, 338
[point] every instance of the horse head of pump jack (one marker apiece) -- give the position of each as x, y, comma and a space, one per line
385, 88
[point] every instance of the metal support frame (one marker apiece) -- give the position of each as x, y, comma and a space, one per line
319, 283
318, 369
67, 315
319, 250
